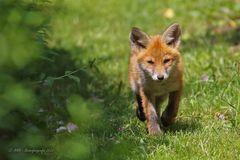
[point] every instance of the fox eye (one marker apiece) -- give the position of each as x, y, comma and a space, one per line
166, 60
150, 61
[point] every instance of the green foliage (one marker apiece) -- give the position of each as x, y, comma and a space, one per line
17, 29
74, 147
63, 84
85, 116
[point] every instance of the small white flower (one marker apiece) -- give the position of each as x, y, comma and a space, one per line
61, 129
71, 127
204, 77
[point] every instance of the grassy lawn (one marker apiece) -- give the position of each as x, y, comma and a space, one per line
88, 44
208, 124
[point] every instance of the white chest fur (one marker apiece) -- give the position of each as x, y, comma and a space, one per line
159, 88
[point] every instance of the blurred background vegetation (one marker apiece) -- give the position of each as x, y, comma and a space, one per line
63, 84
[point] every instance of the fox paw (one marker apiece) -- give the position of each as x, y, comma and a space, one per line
154, 130
167, 120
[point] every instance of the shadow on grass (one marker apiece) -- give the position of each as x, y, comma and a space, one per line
213, 36
53, 86
185, 126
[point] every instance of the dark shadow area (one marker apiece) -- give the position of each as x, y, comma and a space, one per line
185, 126
225, 34
214, 35
54, 78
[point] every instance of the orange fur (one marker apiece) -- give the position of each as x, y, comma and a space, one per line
156, 72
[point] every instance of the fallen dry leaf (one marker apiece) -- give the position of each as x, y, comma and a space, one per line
220, 116
233, 24
169, 13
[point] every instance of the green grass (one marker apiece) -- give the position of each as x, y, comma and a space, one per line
208, 123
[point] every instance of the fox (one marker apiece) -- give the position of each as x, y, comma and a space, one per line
155, 73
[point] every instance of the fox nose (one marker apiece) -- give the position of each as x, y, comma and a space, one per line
160, 77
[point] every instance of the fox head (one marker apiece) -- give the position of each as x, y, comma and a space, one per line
156, 55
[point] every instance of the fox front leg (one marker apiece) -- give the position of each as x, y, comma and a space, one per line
139, 109
148, 103
170, 113
159, 100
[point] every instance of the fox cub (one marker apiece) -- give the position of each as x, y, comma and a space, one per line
156, 73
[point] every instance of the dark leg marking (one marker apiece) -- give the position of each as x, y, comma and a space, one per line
139, 109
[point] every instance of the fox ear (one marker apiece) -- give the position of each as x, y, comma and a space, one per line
171, 36
138, 39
